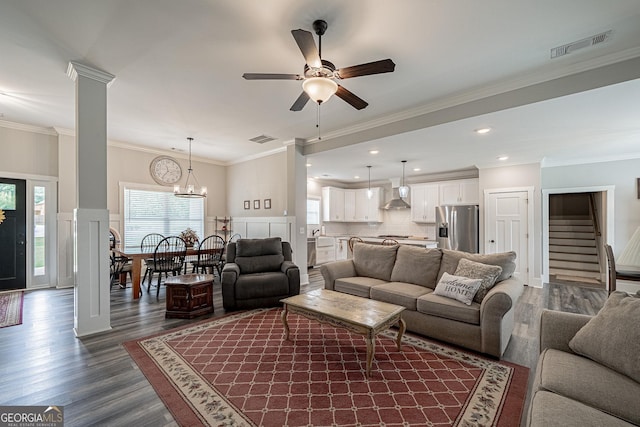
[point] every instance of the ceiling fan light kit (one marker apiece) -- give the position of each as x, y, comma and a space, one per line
319, 77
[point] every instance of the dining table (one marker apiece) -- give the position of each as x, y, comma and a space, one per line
137, 257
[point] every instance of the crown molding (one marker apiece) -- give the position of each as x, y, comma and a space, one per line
256, 156
28, 128
159, 152
75, 69
548, 163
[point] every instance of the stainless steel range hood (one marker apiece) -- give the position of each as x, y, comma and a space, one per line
396, 202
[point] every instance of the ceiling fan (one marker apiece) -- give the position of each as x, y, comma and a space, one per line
319, 76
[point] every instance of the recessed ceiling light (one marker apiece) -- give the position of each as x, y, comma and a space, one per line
356, 177
416, 169
309, 165
482, 131
502, 157
373, 151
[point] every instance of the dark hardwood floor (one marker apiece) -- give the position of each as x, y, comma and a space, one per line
43, 363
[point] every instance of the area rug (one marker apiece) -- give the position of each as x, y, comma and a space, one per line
238, 370
11, 308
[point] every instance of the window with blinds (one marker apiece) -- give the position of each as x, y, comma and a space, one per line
159, 212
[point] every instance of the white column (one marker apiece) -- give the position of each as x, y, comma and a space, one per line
297, 205
92, 311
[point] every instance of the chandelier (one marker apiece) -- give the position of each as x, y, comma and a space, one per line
191, 186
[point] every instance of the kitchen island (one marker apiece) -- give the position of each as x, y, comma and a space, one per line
403, 240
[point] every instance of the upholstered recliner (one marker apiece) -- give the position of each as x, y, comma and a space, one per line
258, 273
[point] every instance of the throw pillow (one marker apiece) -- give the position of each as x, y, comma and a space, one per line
374, 260
612, 337
459, 288
506, 260
475, 270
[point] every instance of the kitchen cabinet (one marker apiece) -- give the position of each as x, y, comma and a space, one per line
325, 250
342, 248
463, 191
333, 204
350, 205
424, 199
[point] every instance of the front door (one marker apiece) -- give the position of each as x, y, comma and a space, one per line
507, 227
13, 237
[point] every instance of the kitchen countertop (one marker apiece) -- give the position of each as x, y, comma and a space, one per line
412, 240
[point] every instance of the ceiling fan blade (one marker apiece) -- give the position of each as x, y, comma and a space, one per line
351, 99
376, 67
267, 76
300, 102
307, 46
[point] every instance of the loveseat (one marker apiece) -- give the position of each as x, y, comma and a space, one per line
588, 372
408, 276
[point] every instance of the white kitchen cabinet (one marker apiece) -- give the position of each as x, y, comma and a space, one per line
342, 248
424, 199
325, 250
333, 204
350, 205
463, 191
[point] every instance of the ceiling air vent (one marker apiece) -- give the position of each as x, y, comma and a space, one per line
261, 139
571, 47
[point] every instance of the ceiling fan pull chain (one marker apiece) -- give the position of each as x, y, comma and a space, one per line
318, 121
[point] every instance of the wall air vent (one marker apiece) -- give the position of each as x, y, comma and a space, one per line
261, 139
580, 44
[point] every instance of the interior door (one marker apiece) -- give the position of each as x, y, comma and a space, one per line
13, 237
507, 227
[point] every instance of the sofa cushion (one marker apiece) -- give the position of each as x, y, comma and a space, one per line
506, 260
259, 255
399, 293
612, 337
458, 288
549, 409
358, 286
476, 270
589, 382
374, 260
417, 265
447, 308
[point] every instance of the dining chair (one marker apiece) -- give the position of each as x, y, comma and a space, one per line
148, 244
210, 255
119, 265
390, 242
353, 241
168, 257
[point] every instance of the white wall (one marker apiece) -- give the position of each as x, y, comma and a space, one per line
28, 152
258, 179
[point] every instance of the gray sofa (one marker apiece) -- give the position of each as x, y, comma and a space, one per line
407, 275
258, 273
570, 389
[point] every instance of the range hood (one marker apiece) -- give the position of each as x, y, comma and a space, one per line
396, 202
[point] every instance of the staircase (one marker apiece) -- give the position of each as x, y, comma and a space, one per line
573, 253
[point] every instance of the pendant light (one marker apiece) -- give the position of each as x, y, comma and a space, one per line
369, 191
403, 190
191, 187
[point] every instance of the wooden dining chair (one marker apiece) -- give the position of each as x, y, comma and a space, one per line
120, 266
210, 255
168, 257
148, 244
390, 242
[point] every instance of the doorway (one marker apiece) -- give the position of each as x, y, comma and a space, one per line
13, 234
603, 197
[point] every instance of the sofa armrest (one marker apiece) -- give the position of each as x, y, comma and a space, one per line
293, 275
337, 270
228, 279
557, 328
497, 315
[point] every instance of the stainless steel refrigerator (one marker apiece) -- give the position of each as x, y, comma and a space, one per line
457, 227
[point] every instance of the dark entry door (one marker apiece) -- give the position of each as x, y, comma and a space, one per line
13, 237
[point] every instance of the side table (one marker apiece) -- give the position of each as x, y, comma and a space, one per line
189, 295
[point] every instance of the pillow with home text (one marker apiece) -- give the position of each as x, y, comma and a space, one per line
459, 288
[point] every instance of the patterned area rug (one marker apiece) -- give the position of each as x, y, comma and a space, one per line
237, 370
11, 308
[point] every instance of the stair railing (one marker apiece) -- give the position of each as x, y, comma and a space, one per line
593, 211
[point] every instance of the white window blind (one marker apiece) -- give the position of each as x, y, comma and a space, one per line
159, 212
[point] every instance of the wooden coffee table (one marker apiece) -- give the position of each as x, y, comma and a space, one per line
356, 314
